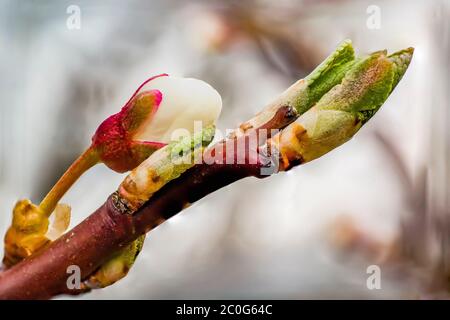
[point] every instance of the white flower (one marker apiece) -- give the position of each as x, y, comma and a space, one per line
184, 101
161, 106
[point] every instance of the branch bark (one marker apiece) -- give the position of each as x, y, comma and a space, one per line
317, 115
107, 230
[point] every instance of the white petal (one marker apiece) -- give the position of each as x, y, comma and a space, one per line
184, 101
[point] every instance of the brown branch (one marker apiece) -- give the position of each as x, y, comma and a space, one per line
95, 239
324, 125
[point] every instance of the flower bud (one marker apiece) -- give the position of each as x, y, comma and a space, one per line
148, 121
343, 110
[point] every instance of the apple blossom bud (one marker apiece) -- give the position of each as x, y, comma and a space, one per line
148, 121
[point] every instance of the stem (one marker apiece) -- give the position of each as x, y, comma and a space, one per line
88, 159
107, 230
334, 119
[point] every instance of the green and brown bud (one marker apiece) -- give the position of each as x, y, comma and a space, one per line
341, 112
304, 93
117, 266
164, 165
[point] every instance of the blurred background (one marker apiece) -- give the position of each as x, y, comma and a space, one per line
381, 199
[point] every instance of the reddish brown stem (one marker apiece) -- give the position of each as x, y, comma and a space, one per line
92, 242
95, 239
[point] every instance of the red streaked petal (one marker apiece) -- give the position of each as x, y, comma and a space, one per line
144, 83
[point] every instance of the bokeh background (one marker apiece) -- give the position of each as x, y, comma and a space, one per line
381, 199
